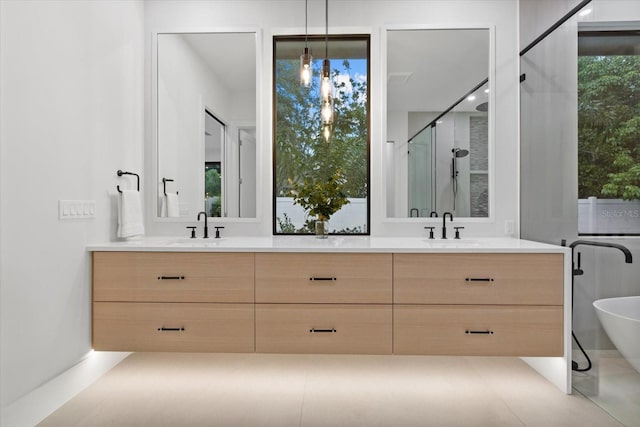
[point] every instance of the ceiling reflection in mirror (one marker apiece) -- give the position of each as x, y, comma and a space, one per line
437, 150
206, 124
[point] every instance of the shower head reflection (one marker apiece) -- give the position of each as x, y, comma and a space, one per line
459, 152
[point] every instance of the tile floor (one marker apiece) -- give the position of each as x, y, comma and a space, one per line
613, 385
188, 389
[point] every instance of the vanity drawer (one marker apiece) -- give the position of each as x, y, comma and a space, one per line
172, 277
478, 330
192, 327
535, 279
323, 278
323, 328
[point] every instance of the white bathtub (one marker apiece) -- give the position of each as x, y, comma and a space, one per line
620, 318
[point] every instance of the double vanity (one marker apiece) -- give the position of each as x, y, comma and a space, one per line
342, 295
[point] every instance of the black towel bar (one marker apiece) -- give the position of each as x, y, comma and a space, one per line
120, 173
164, 185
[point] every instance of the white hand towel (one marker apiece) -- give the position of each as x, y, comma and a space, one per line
173, 205
130, 214
163, 206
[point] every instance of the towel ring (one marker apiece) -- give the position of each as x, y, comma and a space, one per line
164, 185
120, 173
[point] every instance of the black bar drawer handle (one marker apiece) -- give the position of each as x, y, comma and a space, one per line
479, 279
328, 331
323, 279
487, 332
170, 329
170, 277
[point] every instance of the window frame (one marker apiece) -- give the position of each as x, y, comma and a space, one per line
332, 37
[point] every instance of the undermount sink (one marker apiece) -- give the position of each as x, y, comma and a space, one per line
452, 243
198, 241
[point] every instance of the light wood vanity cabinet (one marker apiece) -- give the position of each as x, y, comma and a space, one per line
161, 301
323, 303
502, 304
324, 328
478, 304
191, 327
173, 277
323, 278
480, 278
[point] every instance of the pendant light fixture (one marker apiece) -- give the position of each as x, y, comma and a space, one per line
326, 87
306, 60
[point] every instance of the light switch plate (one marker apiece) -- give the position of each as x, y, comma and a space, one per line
76, 209
509, 227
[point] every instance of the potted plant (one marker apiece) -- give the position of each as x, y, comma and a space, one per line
321, 198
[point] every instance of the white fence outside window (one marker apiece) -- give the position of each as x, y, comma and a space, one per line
352, 215
608, 216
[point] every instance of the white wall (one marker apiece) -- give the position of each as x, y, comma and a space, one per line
396, 160
186, 85
356, 17
71, 115
535, 16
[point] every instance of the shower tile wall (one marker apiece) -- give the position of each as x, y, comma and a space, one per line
479, 195
479, 165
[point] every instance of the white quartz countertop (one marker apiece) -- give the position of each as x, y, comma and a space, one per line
331, 244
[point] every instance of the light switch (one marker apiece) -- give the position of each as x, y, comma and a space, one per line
76, 209
509, 227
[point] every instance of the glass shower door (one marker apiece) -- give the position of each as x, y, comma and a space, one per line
420, 177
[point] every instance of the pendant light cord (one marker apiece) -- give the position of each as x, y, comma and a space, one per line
326, 29
306, 32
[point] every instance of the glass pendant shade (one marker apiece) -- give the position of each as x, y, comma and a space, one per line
327, 111
306, 67
326, 132
326, 94
326, 86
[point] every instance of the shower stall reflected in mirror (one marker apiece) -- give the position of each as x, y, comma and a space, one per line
447, 162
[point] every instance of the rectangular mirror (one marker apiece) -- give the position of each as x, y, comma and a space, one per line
206, 124
437, 150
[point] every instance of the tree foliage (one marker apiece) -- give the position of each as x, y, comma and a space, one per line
213, 189
301, 151
321, 198
609, 126
212, 183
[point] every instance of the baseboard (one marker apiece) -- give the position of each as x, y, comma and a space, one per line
35, 406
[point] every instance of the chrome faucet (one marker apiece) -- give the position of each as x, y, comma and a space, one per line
444, 223
433, 214
206, 227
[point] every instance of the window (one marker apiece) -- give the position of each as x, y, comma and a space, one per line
303, 158
609, 132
